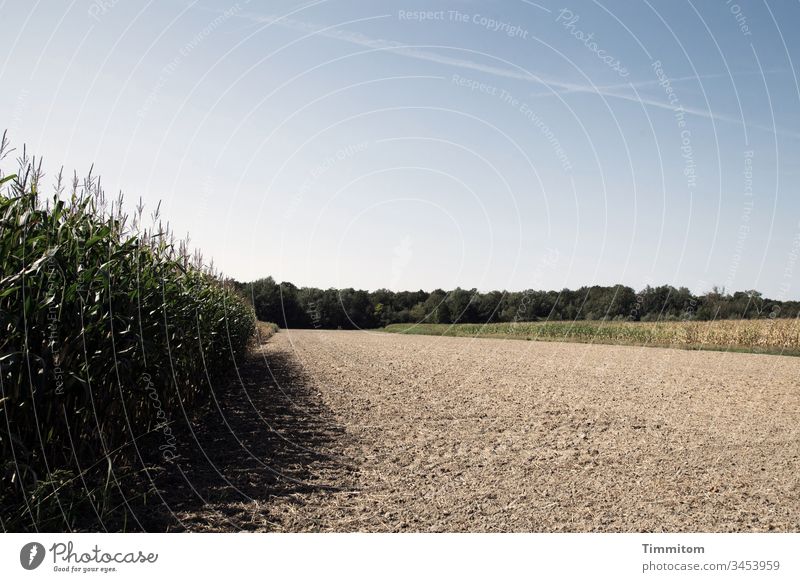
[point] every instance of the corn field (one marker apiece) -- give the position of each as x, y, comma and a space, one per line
757, 335
111, 332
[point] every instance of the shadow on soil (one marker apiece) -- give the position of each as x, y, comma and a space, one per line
267, 436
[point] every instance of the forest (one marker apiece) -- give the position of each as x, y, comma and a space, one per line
308, 307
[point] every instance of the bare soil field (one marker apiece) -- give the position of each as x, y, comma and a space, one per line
386, 432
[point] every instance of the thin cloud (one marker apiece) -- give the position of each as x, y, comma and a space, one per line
555, 86
652, 82
359, 39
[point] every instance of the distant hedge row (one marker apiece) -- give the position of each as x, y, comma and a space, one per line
290, 306
109, 332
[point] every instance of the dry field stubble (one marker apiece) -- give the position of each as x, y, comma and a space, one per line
455, 434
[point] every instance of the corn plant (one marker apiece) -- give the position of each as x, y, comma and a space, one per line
101, 319
777, 335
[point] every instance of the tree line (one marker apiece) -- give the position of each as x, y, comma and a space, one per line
310, 307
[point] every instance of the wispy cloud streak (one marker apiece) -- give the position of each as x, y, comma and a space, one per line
625, 92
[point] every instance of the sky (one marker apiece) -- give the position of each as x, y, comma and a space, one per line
421, 145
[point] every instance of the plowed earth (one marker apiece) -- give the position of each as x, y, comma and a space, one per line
354, 431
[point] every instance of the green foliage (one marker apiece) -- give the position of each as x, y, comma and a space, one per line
353, 309
100, 321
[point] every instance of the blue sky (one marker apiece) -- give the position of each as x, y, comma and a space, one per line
480, 144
